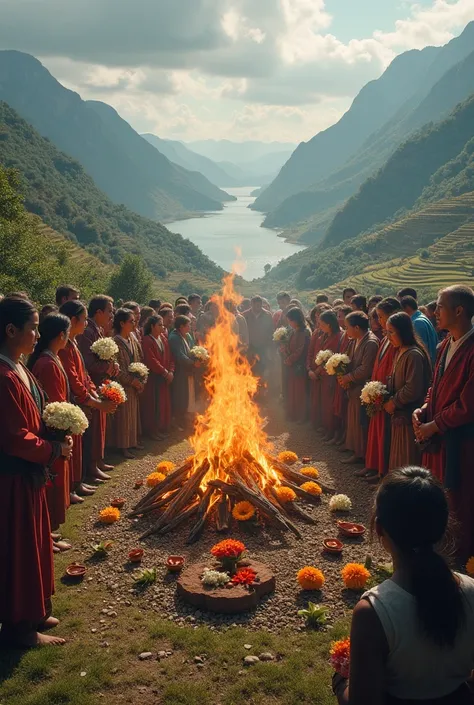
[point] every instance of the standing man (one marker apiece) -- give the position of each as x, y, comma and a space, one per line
65, 293
167, 315
423, 327
100, 314
347, 295
260, 329
279, 317
445, 424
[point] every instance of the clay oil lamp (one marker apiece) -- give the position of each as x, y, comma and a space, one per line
138, 484
76, 571
306, 459
175, 563
135, 555
349, 529
118, 502
333, 546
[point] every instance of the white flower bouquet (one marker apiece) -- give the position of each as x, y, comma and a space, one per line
323, 356
112, 391
214, 578
340, 503
373, 397
63, 419
105, 349
139, 370
281, 335
200, 353
337, 364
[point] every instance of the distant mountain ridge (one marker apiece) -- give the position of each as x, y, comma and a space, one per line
121, 162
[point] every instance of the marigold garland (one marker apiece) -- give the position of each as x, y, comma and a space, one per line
244, 576
165, 467
109, 515
310, 578
312, 488
310, 472
229, 548
287, 457
285, 494
243, 511
154, 479
355, 576
470, 566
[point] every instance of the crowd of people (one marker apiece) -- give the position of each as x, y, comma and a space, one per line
424, 355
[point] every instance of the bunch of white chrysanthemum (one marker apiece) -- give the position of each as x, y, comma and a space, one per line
138, 369
337, 364
340, 503
323, 356
105, 348
214, 578
199, 353
280, 335
63, 416
373, 392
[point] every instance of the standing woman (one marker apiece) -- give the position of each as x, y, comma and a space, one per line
183, 398
155, 402
409, 383
294, 359
330, 326
378, 440
126, 422
46, 366
315, 345
26, 557
340, 395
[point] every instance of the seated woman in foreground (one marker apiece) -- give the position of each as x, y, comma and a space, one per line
412, 637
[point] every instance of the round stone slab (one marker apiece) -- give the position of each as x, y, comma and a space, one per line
224, 600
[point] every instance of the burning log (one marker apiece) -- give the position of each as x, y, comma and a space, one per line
203, 513
295, 476
154, 506
188, 512
223, 514
171, 481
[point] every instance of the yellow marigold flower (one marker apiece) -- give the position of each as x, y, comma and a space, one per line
312, 488
287, 457
285, 494
165, 467
310, 578
154, 479
243, 511
355, 576
470, 566
109, 515
310, 472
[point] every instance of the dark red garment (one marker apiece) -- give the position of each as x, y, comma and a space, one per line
155, 402
294, 359
378, 442
26, 551
315, 345
340, 395
53, 379
328, 386
80, 385
450, 403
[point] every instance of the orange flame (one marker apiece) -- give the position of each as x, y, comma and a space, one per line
231, 427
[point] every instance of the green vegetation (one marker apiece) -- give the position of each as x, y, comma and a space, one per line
58, 190
133, 281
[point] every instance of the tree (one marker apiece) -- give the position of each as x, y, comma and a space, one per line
133, 281
267, 268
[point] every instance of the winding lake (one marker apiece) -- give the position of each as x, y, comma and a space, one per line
220, 234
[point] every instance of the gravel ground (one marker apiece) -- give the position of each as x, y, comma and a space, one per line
284, 553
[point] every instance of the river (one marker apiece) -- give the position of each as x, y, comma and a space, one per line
220, 234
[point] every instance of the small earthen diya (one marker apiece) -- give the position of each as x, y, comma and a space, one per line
135, 555
118, 502
76, 570
138, 484
349, 529
175, 563
306, 459
333, 545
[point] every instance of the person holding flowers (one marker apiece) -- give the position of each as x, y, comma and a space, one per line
316, 344
155, 402
183, 399
26, 558
340, 395
294, 359
412, 636
330, 327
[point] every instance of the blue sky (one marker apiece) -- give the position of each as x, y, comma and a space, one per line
236, 69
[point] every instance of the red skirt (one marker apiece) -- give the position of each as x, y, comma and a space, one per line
57, 492
315, 402
328, 390
75, 466
376, 456
295, 401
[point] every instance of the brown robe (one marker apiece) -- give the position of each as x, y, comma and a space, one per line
409, 383
125, 426
362, 363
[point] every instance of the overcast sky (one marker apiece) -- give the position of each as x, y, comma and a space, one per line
237, 69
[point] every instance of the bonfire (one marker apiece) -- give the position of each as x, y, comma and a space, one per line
232, 459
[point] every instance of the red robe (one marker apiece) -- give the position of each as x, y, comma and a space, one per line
53, 379
315, 345
340, 395
155, 402
81, 385
328, 386
26, 552
378, 440
450, 403
294, 360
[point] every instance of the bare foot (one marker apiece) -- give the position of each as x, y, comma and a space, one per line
48, 623
75, 499
56, 548
84, 491
127, 454
46, 640
104, 467
55, 536
99, 475
29, 640
139, 447
62, 545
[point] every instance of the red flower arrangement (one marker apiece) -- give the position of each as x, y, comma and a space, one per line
229, 548
244, 576
340, 656
112, 391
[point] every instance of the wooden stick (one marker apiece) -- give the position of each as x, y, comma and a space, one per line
189, 511
172, 480
295, 476
202, 514
156, 505
223, 513
307, 496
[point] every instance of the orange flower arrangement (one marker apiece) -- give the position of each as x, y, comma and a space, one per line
229, 548
470, 566
109, 515
165, 467
244, 576
111, 393
287, 457
285, 494
243, 511
310, 472
310, 578
355, 576
340, 656
154, 479
312, 488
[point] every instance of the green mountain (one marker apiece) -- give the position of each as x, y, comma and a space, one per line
58, 189
124, 165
